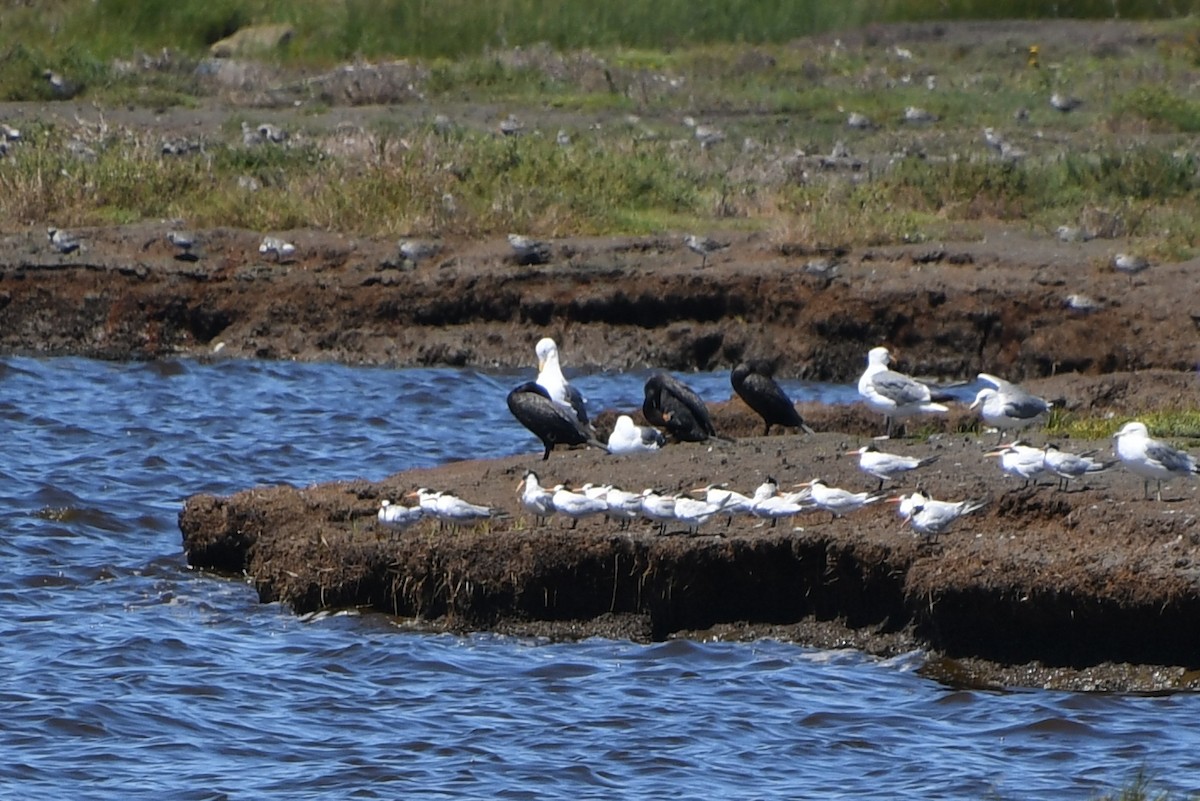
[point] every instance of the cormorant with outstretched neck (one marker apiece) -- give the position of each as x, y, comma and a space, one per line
758, 389
552, 423
673, 405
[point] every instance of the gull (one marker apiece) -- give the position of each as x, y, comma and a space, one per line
397, 516
1071, 465
673, 405
706, 135
416, 251
1129, 264
758, 389
577, 505
892, 394
1006, 406
658, 508
183, 242
1021, 461
62, 241
858, 121
563, 138
527, 251
695, 513
629, 438
837, 501
703, 245
271, 133
59, 85
887, 466
930, 518
9, 133
450, 508
914, 114
536, 499
550, 422
993, 140
1152, 459
550, 377
1071, 233
281, 248
623, 506
1080, 303
511, 126
1065, 103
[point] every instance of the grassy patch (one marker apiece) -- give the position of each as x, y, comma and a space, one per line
1175, 424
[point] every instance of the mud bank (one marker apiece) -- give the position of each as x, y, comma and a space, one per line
1093, 588
952, 310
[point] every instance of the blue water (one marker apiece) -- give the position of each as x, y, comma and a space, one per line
128, 675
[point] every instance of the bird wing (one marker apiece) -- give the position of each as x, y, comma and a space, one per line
577, 403
765, 397
1171, 459
1023, 406
549, 421
899, 388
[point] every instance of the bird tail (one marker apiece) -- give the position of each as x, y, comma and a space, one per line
595, 443
975, 505
928, 460
807, 428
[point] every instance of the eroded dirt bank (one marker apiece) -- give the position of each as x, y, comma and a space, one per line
1093, 588
998, 305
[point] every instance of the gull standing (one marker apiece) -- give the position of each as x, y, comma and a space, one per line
703, 245
930, 518
550, 377
892, 394
1065, 103
527, 250
675, 406
837, 501
1129, 264
280, 247
1152, 459
758, 390
397, 516
550, 422
1006, 406
183, 242
887, 466
629, 438
416, 251
62, 241
1071, 465
577, 505
1021, 461
537, 500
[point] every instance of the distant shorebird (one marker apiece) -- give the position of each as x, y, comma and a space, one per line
706, 135
576, 505
837, 501
758, 390
527, 250
537, 500
917, 115
1151, 459
281, 248
450, 508
62, 241
1080, 303
1129, 264
415, 251
892, 394
511, 126
1065, 103
858, 121
563, 139
703, 246
183, 243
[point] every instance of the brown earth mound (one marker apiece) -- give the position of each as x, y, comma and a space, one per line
1082, 588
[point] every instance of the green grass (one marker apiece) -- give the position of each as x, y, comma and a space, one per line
1176, 424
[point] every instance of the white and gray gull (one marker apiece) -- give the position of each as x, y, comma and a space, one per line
627, 437
892, 394
1151, 459
550, 377
1006, 406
